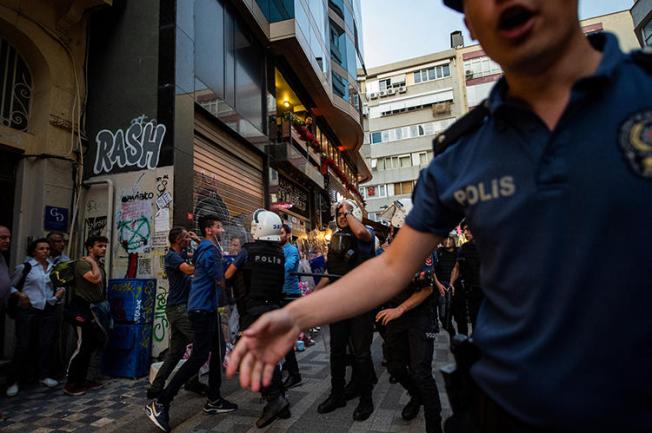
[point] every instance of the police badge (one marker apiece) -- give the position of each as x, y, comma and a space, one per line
636, 142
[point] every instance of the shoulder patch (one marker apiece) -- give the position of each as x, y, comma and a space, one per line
463, 126
643, 58
636, 142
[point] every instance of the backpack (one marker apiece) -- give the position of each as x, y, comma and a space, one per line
12, 302
63, 274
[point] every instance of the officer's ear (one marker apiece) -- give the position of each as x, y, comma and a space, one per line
470, 28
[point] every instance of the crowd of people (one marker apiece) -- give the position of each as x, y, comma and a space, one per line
260, 276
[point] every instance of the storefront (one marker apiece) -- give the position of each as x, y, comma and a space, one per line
227, 179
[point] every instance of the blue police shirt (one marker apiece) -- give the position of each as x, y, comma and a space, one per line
552, 213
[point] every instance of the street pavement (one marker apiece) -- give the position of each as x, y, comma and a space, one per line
119, 405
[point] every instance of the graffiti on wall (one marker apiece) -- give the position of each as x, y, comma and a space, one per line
139, 146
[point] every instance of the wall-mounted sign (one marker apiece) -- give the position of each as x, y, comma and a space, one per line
56, 218
290, 193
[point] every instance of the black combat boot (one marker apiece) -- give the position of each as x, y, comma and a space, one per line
411, 410
365, 408
278, 407
334, 401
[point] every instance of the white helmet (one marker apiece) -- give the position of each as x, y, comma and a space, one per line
356, 211
266, 226
397, 212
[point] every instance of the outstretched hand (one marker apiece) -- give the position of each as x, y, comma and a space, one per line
261, 347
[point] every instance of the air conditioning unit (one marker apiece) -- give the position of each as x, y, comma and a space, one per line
383, 93
391, 92
469, 74
402, 89
441, 108
373, 95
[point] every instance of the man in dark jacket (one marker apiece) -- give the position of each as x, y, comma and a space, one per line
202, 312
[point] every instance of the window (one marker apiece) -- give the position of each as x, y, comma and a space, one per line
407, 132
481, 67
16, 88
381, 191
405, 161
423, 158
385, 84
374, 164
402, 188
432, 73
371, 191
647, 34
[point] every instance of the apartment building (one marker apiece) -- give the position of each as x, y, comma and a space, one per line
408, 104
481, 72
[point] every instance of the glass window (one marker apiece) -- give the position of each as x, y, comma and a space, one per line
16, 89
338, 44
385, 135
432, 74
423, 158
447, 70
340, 86
399, 134
376, 137
647, 34
405, 161
381, 191
417, 77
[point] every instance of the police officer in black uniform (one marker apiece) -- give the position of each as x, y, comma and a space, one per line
350, 246
258, 273
445, 259
466, 280
409, 345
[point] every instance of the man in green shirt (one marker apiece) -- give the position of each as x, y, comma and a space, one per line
88, 289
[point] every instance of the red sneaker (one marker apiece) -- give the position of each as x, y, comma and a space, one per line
90, 385
74, 390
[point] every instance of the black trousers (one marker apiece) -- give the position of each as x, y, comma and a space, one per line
36, 332
408, 349
252, 311
206, 340
357, 331
89, 338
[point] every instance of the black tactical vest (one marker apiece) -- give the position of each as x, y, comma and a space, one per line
345, 252
445, 263
469, 259
262, 276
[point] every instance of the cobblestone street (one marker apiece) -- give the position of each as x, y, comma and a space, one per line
119, 405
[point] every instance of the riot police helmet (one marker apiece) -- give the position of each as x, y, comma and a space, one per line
355, 209
266, 226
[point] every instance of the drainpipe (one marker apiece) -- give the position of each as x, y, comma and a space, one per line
109, 220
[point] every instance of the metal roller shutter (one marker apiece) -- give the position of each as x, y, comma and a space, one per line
228, 176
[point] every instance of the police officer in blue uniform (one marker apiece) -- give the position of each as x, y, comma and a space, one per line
258, 274
551, 173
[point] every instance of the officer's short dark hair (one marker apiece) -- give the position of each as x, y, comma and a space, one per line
286, 228
53, 233
174, 234
92, 240
31, 248
207, 221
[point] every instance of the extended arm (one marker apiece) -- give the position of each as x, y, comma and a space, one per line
94, 275
358, 229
